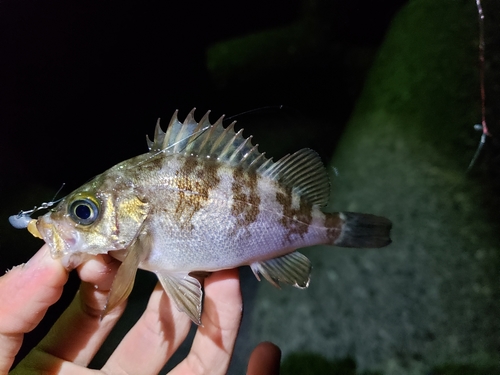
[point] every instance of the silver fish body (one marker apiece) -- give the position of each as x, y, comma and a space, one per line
204, 199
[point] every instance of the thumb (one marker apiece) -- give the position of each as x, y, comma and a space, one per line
27, 291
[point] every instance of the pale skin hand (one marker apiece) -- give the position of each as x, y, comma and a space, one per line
79, 332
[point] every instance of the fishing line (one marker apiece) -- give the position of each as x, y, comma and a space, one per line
256, 110
21, 220
481, 127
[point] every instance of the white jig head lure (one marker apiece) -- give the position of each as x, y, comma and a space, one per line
24, 220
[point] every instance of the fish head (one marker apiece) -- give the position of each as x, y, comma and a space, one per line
103, 215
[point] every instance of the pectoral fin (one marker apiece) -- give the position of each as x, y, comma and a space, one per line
293, 269
186, 292
125, 276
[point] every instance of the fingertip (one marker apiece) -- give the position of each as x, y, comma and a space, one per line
265, 359
97, 274
43, 260
41, 270
230, 274
99, 271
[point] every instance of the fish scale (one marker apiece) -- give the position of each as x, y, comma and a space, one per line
204, 199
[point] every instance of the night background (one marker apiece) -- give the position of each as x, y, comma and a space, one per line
389, 90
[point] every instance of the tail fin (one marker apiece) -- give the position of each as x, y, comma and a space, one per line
363, 230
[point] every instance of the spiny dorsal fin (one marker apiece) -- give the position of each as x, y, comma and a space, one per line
207, 140
303, 172
178, 134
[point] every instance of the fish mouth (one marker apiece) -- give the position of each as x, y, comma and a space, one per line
60, 238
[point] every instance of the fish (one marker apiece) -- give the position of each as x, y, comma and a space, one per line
204, 199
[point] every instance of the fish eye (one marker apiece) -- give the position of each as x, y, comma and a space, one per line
83, 211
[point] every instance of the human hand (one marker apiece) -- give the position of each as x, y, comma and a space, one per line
77, 335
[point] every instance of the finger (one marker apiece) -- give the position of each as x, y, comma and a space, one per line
264, 360
214, 341
153, 339
80, 331
29, 289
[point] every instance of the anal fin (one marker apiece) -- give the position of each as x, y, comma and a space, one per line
186, 292
293, 269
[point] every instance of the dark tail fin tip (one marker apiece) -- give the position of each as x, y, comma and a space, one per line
364, 230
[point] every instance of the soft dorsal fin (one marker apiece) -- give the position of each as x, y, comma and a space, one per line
303, 172
204, 139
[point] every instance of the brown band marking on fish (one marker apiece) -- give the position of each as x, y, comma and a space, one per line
246, 199
333, 224
295, 219
194, 181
